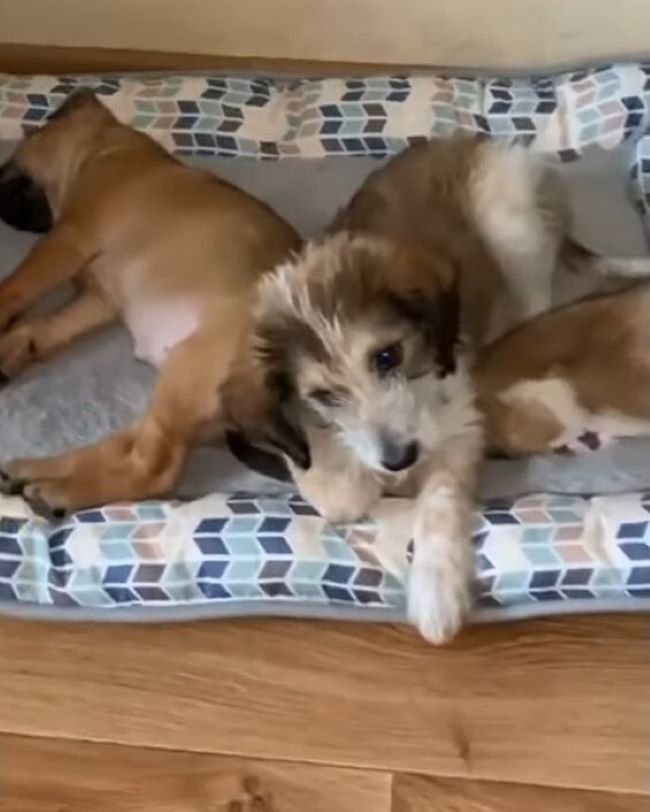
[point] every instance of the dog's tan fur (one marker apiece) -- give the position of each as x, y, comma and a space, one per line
449, 223
171, 251
494, 215
578, 369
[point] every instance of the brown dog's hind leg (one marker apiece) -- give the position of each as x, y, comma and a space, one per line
142, 461
36, 339
56, 258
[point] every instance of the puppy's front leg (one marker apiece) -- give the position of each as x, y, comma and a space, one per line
439, 595
142, 461
336, 484
36, 339
56, 258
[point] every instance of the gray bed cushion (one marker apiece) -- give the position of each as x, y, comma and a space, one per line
97, 385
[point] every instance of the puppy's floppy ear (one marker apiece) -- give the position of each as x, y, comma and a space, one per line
257, 459
278, 335
439, 317
269, 427
426, 293
288, 438
277, 434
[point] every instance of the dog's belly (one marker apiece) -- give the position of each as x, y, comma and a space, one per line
157, 327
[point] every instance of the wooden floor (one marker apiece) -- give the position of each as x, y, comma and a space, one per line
44, 775
281, 716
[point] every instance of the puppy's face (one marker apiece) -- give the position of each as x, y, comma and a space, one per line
362, 334
33, 180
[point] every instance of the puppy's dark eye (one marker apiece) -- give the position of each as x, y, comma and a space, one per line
388, 359
325, 397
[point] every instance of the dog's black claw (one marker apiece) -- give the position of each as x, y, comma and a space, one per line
42, 509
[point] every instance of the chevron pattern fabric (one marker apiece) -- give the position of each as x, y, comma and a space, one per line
265, 118
242, 550
259, 117
311, 118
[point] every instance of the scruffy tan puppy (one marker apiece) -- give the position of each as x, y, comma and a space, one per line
174, 253
575, 378
368, 337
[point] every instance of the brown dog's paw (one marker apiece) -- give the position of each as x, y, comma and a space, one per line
18, 350
42, 497
43, 501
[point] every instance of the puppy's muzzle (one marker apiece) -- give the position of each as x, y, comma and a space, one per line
23, 204
398, 456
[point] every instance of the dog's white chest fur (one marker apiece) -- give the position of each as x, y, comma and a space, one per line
157, 327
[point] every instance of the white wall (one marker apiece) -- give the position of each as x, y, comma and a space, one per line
487, 33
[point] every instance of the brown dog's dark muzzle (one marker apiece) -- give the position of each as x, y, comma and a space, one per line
23, 204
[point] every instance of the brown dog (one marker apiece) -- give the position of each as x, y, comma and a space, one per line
575, 378
175, 254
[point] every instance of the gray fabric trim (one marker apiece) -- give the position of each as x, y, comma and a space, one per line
276, 608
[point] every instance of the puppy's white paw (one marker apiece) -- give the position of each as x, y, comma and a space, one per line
439, 598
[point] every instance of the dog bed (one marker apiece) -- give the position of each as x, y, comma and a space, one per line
251, 547
240, 554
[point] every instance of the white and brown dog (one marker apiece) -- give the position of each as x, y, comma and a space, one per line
368, 338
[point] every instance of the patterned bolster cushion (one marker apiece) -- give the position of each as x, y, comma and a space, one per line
560, 115
235, 554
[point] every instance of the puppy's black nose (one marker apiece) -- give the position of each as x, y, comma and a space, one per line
397, 456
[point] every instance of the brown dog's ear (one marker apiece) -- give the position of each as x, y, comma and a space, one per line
79, 99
